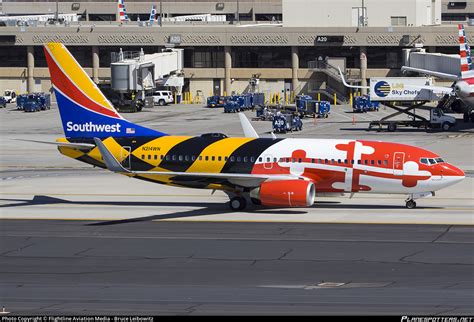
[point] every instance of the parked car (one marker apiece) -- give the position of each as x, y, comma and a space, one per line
162, 97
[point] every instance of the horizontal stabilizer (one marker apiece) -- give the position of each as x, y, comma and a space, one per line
80, 146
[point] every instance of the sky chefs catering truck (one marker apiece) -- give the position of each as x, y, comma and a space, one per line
415, 91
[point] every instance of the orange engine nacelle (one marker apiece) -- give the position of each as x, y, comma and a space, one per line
287, 193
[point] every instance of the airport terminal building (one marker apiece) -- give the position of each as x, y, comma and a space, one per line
290, 45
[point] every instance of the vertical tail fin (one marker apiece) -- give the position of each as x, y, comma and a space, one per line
84, 110
152, 14
122, 11
465, 53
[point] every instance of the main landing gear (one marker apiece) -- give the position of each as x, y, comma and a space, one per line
237, 203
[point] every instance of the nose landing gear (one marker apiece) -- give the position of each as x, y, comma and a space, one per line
410, 201
410, 204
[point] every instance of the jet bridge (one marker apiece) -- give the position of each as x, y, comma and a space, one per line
133, 74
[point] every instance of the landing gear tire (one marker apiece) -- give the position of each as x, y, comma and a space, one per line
410, 204
237, 203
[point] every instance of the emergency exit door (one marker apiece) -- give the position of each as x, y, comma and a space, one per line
398, 160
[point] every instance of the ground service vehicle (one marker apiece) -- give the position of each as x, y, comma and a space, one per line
283, 122
10, 96
363, 104
437, 120
273, 172
162, 97
37, 102
216, 101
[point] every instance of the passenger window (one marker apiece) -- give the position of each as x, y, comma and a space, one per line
149, 157
155, 157
161, 157
379, 162
173, 157
366, 162
260, 159
245, 159
268, 159
143, 157
372, 162
299, 160
206, 158
239, 159
332, 161
385, 162
193, 158
213, 158
167, 157
200, 158
326, 161
312, 160
232, 158
339, 161
275, 159
352, 161
219, 158
252, 159
180, 158
186, 158
320, 161
226, 158
359, 161
345, 161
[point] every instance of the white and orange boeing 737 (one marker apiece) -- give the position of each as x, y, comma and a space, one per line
271, 172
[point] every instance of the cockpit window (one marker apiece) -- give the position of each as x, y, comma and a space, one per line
439, 160
432, 161
424, 160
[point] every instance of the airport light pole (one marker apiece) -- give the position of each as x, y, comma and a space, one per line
56, 15
238, 11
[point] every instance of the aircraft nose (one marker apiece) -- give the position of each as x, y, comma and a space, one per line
451, 170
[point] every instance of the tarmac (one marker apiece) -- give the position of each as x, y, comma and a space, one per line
80, 240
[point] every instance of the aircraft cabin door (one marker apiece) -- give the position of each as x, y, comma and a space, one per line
126, 153
398, 161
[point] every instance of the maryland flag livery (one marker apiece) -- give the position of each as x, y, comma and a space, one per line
267, 171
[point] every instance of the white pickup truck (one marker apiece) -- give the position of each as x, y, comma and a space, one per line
10, 96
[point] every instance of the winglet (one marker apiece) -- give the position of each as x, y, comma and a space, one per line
110, 161
249, 131
347, 85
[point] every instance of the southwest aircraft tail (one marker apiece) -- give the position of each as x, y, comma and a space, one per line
84, 110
